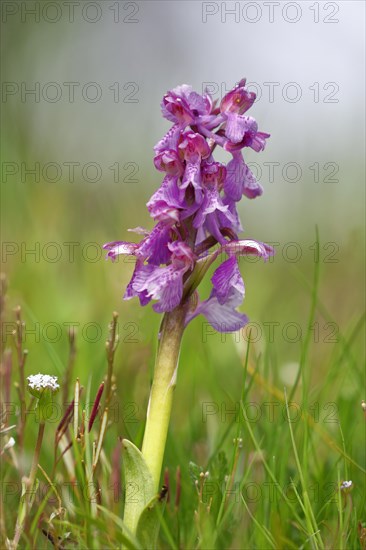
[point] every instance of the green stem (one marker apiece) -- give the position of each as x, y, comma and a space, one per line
25, 503
161, 395
37, 451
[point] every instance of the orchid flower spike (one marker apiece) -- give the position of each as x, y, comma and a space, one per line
195, 208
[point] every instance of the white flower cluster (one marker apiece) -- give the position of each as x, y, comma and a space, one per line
40, 382
346, 484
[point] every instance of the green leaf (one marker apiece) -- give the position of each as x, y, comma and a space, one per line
128, 539
149, 523
138, 482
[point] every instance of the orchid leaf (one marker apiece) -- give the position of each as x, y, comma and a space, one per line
149, 522
138, 482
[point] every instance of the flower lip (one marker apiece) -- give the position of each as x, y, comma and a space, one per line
194, 146
214, 173
181, 254
38, 383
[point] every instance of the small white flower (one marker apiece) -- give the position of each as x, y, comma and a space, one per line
40, 382
9, 444
346, 484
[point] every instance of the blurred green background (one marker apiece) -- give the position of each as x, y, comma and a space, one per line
119, 59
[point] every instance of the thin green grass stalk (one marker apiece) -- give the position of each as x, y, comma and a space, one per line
70, 365
129, 541
305, 349
92, 504
234, 461
266, 534
236, 449
231, 505
89, 471
43, 504
220, 443
323, 434
87, 451
103, 427
76, 408
309, 515
26, 503
272, 476
304, 509
111, 346
166, 530
344, 450
314, 299
343, 342
80, 478
340, 514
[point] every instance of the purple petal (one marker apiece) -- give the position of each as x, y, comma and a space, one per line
237, 100
240, 180
258, 141
154, 247
120, 247
227, 277
139, 230
236, 126
194, 146
211, 202
138, 280
222, 317
248, 246
171, 292
199, 103
236, 225
251, 188
213, 173
170, 140
167, 198
207, 215
234, 177
168, 161
182, 255
159, 283
175, 106
227, 294
192, 175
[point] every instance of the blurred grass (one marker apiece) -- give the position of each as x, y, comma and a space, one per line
211, 369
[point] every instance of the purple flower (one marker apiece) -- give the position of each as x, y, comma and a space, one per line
168, 161
228, 288
240, 180
164, 284
238, 100
193, 148
120, 247
208, 217
182, 105
195, 208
